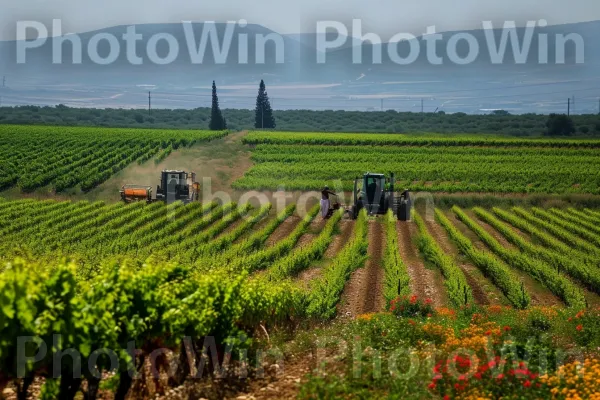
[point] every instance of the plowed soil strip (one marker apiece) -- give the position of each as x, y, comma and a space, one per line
484, 291
257, 227
540, 296
231, 227
312, 231
364, 291
283, 230
351, 302
340, 240
336, 245
592, 298
374, 300
424, 282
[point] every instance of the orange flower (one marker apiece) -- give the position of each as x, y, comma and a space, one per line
580, 327
495, 309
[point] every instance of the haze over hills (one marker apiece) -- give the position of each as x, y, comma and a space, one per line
299, 81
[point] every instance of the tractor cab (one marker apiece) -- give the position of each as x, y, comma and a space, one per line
371, 189
376, 193
177, 185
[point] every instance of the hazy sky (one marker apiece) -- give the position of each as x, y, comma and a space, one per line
384, 17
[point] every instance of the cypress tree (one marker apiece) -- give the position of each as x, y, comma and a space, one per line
263, 114
217, 122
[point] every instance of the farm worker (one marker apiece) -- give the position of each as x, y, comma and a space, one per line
325, 201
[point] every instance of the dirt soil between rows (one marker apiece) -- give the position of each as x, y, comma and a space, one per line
336, 245
364, 290
481, 290
283, 230
424, 282
540, 295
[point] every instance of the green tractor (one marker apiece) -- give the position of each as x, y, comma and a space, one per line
376, 193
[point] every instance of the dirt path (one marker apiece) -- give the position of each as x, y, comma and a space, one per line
222, 161
336, 245
364, 290
424, 282
484, 291
540, 295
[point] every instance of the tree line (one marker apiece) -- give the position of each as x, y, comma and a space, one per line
264, 117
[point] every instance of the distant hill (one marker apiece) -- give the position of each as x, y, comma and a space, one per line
351, 86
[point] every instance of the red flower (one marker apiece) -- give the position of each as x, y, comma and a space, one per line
501, 376
431, 386
527, 384
579, 327
410, 321
506, 328
446, 397
413, 299
570, 319
488, 333
428, 301
478, 376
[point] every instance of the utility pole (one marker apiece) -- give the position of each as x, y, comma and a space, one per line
149, 103
569, 107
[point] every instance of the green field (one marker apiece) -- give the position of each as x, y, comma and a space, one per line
308, 161
507, 293
32, 157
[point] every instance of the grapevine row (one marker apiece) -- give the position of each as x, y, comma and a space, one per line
458, 289
491, 266
549, 277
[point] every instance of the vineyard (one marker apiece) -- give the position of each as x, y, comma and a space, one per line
33, 157
514, 284
308, 161
156, 273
